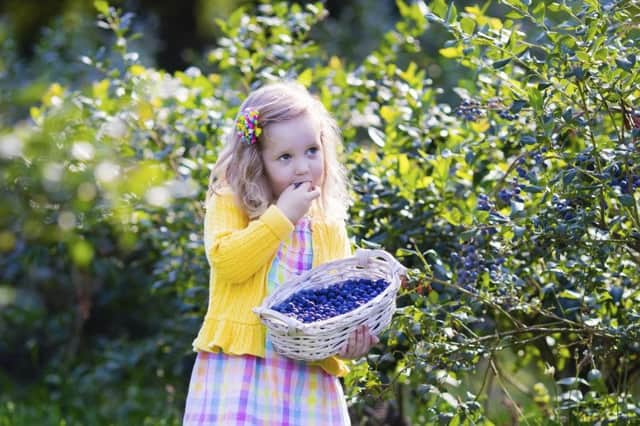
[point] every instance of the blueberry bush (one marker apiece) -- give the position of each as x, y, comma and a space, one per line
512, 196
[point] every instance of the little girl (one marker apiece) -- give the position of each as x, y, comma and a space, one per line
276, 207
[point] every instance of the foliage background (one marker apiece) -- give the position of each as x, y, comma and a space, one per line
492, 147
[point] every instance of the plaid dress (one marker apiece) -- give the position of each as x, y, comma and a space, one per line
247, 390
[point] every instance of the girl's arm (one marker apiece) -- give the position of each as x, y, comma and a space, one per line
235, 249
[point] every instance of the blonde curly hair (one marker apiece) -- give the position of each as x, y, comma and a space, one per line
240, 168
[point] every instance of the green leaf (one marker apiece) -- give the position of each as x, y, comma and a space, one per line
433, 297
235, 18
627, 200
624, 63
535, 99
403, 8
517, 106
528, 139
439, 7
512, 14
377, 136
441, 273
539, 11
451, 52
570, 381
101, 6
452, 216
416, 12
500, 64
516, 4
497, 217
305, 77
555, 7
632, 59
81, 253
450, 399
570, 294
452, 13
455, 421
467, 25
569, 175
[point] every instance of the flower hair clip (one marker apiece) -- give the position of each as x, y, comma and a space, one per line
247, 127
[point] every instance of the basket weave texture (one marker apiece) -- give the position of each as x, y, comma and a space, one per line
321, 339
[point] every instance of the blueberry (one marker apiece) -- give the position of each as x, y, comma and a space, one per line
521, 172
505, 195
616, 293
594, 375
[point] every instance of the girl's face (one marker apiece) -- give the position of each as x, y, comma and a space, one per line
292, 153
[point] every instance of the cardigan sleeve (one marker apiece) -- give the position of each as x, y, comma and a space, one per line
235, 247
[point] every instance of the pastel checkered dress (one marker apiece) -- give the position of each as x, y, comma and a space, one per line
233, 390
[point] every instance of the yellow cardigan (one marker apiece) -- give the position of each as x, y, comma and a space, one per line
240, 253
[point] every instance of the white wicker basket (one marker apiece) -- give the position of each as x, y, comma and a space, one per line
322, 339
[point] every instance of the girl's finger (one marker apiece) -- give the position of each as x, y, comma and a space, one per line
403, 281
374, 338
359, 342
362, 334
314, 193
349, 346
354, 343
365, 340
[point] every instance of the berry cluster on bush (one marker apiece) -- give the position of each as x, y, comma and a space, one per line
469, 110
563, 207
531, 164
586, 160
324, 303
484, 203
470, 263
506, 115
507, 194
623, 180
472, 110
504, 196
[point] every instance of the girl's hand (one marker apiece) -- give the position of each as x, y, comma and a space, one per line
295, 201
359, 343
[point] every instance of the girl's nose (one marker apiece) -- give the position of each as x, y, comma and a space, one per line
302, 167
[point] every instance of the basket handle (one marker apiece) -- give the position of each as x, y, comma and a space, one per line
293, 325
364, 256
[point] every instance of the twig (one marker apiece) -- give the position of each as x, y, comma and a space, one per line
504, 389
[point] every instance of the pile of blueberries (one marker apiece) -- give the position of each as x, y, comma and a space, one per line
323, 303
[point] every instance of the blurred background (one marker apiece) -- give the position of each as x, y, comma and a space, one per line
43, 41
176, 33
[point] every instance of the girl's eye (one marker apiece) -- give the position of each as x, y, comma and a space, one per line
313, 150
284, 157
